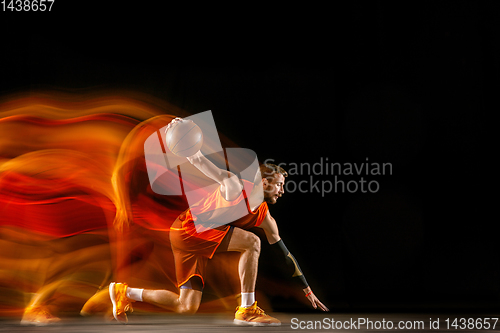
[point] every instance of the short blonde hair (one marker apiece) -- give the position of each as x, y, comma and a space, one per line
268, 170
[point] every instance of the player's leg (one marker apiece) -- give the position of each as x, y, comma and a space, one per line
187, 301
248, 244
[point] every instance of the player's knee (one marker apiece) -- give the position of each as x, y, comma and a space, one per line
254, 243
189, 308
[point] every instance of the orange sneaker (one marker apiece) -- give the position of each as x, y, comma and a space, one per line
121, 304
254, 316
38, 316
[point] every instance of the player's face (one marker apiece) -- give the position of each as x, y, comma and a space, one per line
273, 188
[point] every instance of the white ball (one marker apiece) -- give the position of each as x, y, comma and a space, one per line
184, 138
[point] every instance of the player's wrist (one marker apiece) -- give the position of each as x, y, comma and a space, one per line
195, 156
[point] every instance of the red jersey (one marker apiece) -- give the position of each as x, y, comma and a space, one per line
199, 231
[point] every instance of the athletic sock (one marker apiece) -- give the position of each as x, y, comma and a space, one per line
247, 299
134, 294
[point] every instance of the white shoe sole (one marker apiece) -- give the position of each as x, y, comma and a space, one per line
253, 323
112, 296
32, 323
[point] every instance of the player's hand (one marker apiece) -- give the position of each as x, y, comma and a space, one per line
314, 300
170, 124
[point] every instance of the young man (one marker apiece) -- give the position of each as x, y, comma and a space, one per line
193, 244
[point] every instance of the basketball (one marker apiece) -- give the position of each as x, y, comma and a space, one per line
184, 138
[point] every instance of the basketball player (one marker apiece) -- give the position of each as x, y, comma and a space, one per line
192, 248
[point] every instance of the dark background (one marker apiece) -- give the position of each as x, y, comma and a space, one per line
413, 84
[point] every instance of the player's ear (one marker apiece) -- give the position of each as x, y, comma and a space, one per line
265, 182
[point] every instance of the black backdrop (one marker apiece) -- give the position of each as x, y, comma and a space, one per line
412, 84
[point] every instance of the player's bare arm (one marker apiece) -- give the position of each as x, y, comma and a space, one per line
271, 231
229, 182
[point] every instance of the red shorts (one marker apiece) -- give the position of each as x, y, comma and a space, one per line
193, 245
192, 250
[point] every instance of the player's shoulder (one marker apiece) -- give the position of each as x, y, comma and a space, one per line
268, 218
